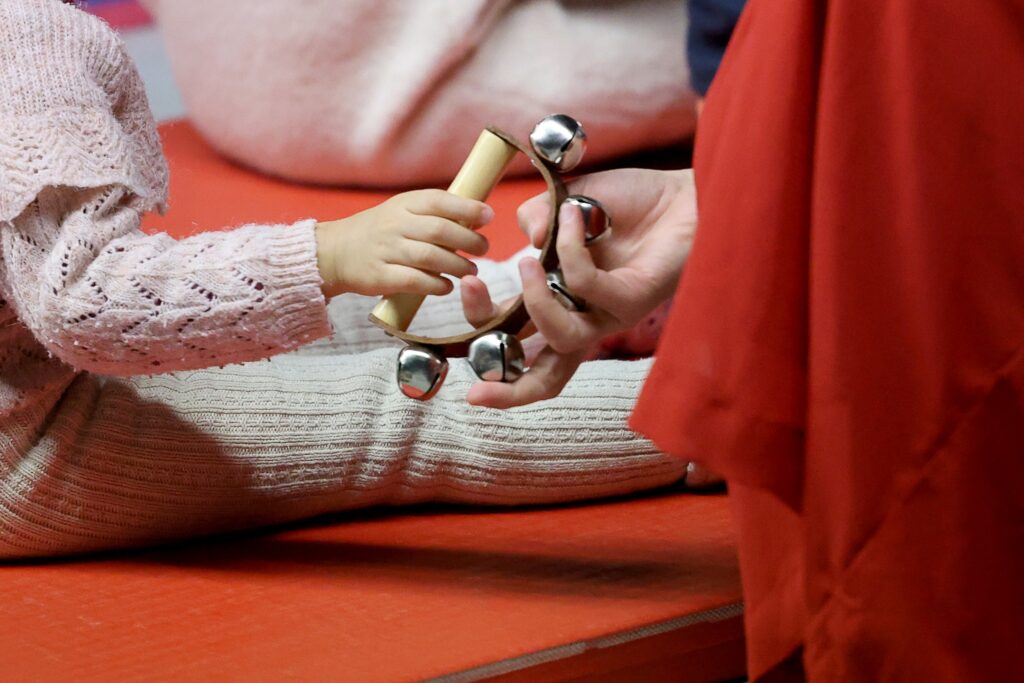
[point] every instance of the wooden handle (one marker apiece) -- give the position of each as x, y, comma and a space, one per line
479, 174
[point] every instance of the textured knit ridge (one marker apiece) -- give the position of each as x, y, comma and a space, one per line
73, 111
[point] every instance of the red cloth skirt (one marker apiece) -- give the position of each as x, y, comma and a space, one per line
847, 343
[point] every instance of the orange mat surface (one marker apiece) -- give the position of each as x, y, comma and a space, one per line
638, 589
209, 193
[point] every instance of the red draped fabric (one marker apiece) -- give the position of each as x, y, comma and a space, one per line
847, 344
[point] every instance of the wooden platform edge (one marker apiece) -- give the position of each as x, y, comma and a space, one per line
703, 647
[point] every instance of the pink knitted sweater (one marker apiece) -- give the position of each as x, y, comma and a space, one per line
81, 288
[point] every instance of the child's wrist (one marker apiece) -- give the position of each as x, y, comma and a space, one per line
326, 259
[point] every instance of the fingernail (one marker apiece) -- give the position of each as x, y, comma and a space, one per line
526, 264
487, 215
565, 213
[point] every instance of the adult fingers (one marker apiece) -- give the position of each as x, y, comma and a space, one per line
533, 216
566, 331
581, 274
477, 305
545, 379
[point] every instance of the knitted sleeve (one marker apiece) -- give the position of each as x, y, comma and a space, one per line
73, 111
79, 160
105, 297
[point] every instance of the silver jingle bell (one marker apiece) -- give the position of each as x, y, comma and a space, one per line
497, 357
560, 141
596, 222
571, 302
421, 372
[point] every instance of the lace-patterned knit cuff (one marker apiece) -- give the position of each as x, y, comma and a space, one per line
294, 300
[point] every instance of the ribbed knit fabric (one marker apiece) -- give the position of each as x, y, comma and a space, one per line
90, 461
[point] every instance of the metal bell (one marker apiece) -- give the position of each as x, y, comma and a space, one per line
497, 357
596, 221
421, 372
556, 283
560, 141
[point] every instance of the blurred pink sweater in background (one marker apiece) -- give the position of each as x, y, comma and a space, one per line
393, 93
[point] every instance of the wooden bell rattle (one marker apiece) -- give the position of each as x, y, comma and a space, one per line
556, 146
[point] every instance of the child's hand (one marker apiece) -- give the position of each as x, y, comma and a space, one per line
402, 245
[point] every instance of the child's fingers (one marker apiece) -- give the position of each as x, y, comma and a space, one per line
447, 205
447, 234
399, 279
433, 259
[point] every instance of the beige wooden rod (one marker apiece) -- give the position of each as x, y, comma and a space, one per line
479, 174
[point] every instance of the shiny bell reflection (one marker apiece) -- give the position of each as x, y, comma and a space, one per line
596, 222
421, 372
560, 141
497, 357
556, 283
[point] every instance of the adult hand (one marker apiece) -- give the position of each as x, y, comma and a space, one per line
621, 277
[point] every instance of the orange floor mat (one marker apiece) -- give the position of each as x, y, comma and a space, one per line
638, 589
